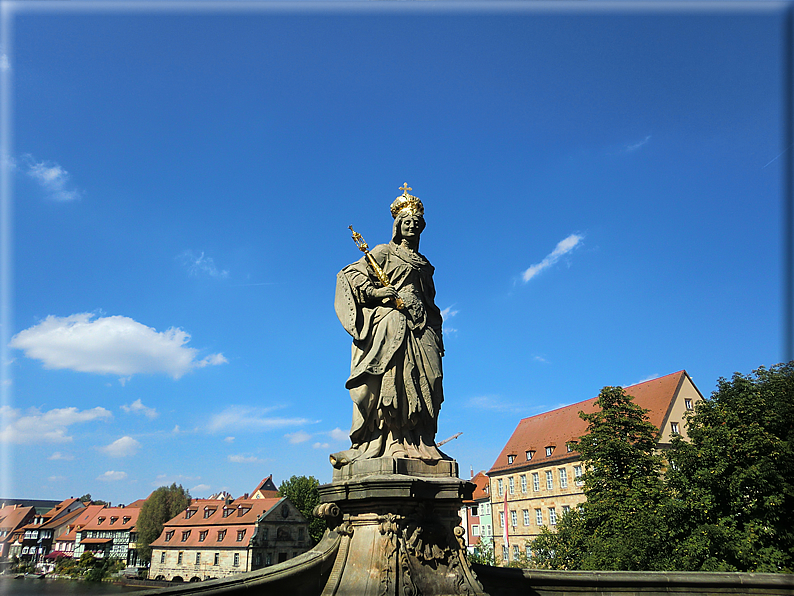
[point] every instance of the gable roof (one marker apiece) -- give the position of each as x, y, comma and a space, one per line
557, 427
113, 518
481, 487
240, 512
265, 489
12, 517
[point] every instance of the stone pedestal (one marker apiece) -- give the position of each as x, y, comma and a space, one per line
400, 529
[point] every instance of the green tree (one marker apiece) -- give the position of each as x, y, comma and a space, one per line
163, 504
621, 525
483, 554
304, 493
87, 497
733, 481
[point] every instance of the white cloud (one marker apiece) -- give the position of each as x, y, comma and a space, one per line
229, 439
137, 407
5, 63
200, 488
339, 435
112, 476
201, 265
248, 418
298, 437
245, 459
448, 313
58, 456
563, 247
321, 445
540, 359
56, 478
635, 146
52, 178
123, 447
48, 427
109, 345
643, 380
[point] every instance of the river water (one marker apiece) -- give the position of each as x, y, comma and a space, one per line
58, 587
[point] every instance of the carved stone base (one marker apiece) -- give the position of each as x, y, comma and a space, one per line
401, 533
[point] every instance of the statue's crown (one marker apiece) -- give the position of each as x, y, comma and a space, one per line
406, 202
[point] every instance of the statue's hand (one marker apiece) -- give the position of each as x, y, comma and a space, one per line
387, 293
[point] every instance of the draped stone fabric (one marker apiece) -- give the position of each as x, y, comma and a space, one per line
395, 373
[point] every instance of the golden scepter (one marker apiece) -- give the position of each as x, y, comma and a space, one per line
364, 247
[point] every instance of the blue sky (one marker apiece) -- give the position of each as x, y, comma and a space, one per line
602, 198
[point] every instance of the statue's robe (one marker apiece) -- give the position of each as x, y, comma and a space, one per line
395, 373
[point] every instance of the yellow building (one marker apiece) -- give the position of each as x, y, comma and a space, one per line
536, 478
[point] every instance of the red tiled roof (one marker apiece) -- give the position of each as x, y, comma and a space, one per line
125, 518
11, 517
481, 483
556, 428
243, 511
227, 534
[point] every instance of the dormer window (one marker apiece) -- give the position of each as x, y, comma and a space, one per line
208, 512
125, 519
227, 511
242, 510
511, 459
569, 447
221, 535
185, 535
530, 455
113, 520
203, 535
549, 450
99, 521
169, 535
189, 513
240, 535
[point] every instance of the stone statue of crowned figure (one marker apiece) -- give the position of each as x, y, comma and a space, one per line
386, 301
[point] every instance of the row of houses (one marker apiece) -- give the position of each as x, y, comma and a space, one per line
536, 478
214, 537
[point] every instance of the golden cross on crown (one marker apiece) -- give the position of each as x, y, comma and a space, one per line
407, 203
405, 188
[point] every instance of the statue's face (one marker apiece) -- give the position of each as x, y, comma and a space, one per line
410, 227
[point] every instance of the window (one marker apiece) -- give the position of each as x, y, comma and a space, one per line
208, 512
300, 533
203, 535
688, 404
529, 552
526, 517
221, 535
549, 450
535, 481
198, 558
504, 553
217, 559
268, 559
501, 487
569, 447
240, 535
577, 474
513, 519
552, 516
113, 520
502, 518
162, 557
511, 482
674, 427
515, 551
236, 559
227, 511
258, 560
530, 455
523, 483
125, 519
539, 517
511, 459
566, 509
185, 535
475, 530
179, 558
264, 533
189, 513
549, 480
563, 478
169, 535
99, 521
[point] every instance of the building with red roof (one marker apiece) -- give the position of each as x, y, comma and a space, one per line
44, 528
109, 533
536, 478
475, 514
12, 519
213, 538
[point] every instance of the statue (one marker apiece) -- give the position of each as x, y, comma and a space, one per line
385, 301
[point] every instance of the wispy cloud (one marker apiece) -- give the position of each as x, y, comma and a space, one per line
494, 403
200, 488
643, 380
245, 459
198, 264
112, 476
563, 247
137, 407
109, 345
635, 146
339, 435
123, 447
56, 478
48, 427
51, 177
298, 437
58, 456
5, 63
241, 418
320, 445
